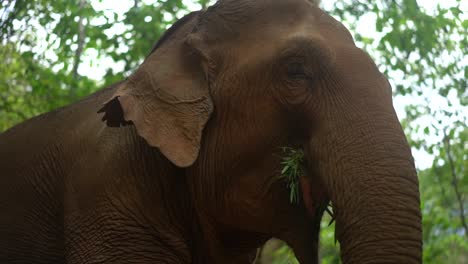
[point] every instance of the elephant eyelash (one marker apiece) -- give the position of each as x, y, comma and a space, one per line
295, 67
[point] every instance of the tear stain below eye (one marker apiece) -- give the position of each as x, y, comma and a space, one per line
312, 195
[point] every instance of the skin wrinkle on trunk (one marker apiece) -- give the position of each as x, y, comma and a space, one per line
373, 227
448, 150
376, 217
367, 168
360, 179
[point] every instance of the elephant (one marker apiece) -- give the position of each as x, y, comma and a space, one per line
181, 161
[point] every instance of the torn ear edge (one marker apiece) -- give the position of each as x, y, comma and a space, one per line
113, 113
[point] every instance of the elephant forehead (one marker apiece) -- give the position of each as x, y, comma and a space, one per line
254, 29
231, 19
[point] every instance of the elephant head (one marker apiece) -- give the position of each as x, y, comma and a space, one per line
225, 89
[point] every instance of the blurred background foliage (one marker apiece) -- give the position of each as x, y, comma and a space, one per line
54, 52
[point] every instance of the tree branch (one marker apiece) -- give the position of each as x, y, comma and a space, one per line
455, 182
445, 200
79, 50
6, 19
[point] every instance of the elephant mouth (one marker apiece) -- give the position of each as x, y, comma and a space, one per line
313, 196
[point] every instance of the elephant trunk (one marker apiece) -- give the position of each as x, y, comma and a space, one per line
363, 162
373, 188
376, 202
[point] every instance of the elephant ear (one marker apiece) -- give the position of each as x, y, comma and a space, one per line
167, 99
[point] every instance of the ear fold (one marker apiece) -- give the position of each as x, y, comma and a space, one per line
168, 101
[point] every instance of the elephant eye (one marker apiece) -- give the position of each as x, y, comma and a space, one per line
295, 70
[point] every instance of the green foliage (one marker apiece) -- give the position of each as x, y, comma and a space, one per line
329, 247
45, 44
46, 47
292, 169
284, 255
442, 189
428, 49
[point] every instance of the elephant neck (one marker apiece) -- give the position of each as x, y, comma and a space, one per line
212, 243
147, 199
173, 206
181, 231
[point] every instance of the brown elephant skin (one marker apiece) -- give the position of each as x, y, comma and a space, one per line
181, 162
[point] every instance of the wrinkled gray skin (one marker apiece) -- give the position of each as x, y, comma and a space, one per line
185, 167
